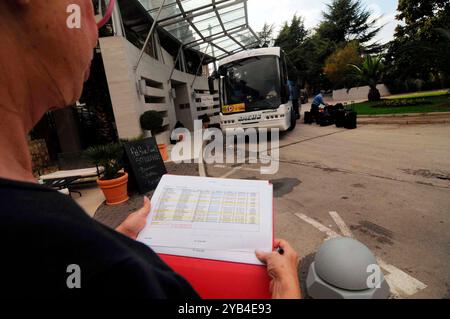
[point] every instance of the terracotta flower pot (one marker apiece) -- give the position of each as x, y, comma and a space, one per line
163, 150
115, 190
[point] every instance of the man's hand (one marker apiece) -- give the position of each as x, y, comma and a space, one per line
136, 222
282, 268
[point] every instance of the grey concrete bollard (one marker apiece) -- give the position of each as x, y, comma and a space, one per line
344, 268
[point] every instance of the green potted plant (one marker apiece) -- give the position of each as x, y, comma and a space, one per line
153, 121
113, 181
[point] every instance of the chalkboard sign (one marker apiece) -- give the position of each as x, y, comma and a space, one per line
146, 164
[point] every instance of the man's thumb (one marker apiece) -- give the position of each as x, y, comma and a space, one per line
262, 256
145, 210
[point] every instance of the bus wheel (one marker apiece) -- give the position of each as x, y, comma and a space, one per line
293, 121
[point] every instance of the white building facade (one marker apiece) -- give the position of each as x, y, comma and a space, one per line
172, 75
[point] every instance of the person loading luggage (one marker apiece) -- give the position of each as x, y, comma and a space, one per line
316, 103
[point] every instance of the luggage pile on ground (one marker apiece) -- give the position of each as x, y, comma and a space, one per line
333, 115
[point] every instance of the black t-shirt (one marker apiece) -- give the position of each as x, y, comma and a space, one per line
43, 232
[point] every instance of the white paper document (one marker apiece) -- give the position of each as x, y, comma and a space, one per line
218, 219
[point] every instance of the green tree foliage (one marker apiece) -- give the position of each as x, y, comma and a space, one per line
421, 18
419, 52
348, 20
337, 65
306, 53
293, 35
310, 59
370, 73
344, 21
266, 35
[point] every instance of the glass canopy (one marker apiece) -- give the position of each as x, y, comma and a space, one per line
217, 28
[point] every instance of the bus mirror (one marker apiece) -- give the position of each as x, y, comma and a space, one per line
212, 89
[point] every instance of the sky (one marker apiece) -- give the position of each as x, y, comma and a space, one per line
278, 11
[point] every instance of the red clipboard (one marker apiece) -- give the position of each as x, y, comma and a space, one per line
223, 280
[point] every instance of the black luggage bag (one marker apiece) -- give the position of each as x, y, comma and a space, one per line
308, 118
325, 119
340, 118
351, 120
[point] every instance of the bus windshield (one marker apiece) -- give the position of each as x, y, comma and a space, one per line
252, 84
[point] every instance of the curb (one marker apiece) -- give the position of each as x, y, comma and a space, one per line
402, 122
403, 115
408, 119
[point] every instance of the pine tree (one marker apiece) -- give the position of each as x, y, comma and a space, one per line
348, 20
292, 35
266, 35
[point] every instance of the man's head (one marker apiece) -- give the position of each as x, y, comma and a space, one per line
42, 57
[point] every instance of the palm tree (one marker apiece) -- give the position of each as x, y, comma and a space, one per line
370, 73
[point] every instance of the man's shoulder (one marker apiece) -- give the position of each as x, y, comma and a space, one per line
47, 233
34, 203
52, 218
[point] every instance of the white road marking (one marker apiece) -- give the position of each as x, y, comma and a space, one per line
401, 283
324, 229
231, 172
234, 170
341, 224
201, 169
248, 169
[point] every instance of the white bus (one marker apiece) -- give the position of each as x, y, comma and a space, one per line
254, 93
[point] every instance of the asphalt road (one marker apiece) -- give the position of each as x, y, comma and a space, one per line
390, 184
